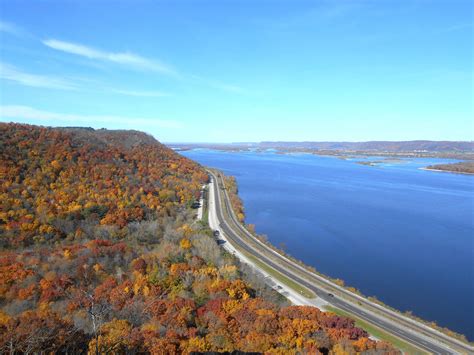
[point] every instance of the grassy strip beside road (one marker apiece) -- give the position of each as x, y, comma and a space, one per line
205, 212
373, 330
269, 270
349, 294
377, 332
280, 277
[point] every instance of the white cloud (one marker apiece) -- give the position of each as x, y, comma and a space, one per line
9, 72
127, 59
12, 112
12, 73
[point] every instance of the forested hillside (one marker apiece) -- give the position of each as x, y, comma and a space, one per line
60, 184
101, 253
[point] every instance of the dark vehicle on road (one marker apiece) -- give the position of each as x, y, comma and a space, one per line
330, 295
216, 233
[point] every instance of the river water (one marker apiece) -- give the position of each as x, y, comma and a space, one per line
394, 231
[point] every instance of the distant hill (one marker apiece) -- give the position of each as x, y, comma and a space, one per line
388, 146
420, 148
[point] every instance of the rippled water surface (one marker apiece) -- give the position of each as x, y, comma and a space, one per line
403, 234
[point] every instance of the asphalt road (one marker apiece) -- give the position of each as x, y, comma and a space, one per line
407, 333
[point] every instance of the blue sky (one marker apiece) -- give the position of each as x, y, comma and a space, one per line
233, 71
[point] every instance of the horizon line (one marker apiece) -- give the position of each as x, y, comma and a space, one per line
329, 141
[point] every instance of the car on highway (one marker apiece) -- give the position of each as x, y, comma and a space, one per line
216, 233
330, 295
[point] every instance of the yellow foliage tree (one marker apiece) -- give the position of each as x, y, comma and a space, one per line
185, 243
114, 338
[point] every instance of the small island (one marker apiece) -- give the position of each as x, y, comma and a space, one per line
378, 162
465, 167
369, 163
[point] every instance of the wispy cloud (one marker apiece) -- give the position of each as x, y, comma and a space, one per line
123, 58
12, 29
139, 93
11, 112
11, 73
97, 56
236, 89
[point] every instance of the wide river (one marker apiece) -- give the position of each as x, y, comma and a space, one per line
394, 231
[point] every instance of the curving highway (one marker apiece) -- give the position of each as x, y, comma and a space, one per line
412, 332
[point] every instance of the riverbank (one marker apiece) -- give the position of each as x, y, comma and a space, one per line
299, 202
447, 171
332, 293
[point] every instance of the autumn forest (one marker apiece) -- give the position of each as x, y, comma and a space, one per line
101, 252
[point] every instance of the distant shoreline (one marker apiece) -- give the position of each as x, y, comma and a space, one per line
333, 152
447, 171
